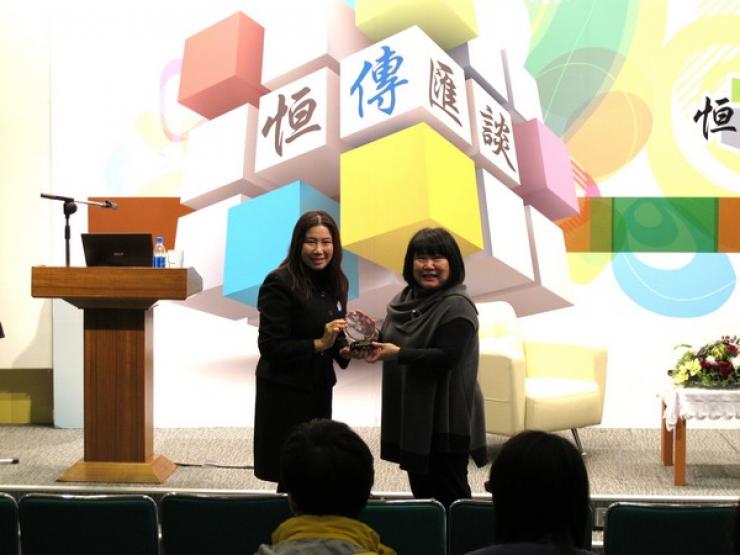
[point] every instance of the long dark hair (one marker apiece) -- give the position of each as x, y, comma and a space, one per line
299, 272
540, 492
431, 241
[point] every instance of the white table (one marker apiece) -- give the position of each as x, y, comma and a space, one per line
679, 404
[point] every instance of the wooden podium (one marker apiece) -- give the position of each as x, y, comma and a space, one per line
117, 304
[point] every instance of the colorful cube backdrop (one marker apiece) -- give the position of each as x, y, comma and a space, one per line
396, 137
389, 125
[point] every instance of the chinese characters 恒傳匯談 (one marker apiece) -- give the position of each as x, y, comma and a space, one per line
299, 117
385, 79
721, 116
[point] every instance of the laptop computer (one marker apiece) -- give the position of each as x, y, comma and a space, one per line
117, 249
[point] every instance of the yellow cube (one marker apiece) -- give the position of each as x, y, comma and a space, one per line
408, 180
449, 23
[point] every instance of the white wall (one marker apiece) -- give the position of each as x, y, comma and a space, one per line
25, 220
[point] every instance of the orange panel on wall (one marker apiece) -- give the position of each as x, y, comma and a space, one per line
577, 229
155, 215
728, 225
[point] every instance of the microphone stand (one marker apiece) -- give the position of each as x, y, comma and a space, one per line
70, 207
14, 460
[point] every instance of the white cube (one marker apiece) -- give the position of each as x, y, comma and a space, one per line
220, 160
397, 82
201, 235
731, 138
298, 133
493, 147
506, 260
482, 62
302, 37
524, 96
553, 288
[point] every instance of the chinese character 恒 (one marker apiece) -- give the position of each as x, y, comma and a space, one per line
496, 134
385, 79
442, 90
299, 118
721, 116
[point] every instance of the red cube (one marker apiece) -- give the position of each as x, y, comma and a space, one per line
222, 67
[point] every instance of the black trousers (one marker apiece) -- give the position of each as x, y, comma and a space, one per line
446, 480
278, 410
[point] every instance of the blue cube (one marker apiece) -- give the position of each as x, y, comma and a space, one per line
258, 236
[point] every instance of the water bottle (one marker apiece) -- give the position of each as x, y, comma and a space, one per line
160, 254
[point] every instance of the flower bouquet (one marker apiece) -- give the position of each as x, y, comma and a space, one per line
714, 365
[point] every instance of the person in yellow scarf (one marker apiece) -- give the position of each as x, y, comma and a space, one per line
328, 473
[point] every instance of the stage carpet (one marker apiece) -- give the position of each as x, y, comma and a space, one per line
622, 463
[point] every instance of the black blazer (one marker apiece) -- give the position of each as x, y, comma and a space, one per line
289, 323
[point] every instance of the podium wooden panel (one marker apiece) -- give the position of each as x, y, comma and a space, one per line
118, 396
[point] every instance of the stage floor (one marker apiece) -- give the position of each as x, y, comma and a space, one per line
622, 463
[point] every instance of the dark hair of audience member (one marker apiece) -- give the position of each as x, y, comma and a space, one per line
540, 492
327, 469
434, 241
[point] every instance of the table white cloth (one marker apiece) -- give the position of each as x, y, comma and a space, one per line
699, 403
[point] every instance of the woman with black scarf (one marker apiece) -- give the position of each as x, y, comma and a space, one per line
432, 413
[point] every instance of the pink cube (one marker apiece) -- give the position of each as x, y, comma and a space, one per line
545, 171
222, 67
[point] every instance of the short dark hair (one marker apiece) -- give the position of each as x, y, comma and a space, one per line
294, 262
430, 241
540, 492
327, 469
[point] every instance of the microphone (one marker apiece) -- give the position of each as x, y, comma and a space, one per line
57, 197
70, 207
68, 200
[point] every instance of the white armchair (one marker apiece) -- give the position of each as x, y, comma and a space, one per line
536, 386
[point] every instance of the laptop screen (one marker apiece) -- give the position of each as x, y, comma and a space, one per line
117, 249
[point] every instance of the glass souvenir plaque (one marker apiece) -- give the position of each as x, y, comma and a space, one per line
361, 329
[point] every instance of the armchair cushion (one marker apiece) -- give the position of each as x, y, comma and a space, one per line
530, 385
558, 404
498, 328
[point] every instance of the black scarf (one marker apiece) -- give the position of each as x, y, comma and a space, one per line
425, 411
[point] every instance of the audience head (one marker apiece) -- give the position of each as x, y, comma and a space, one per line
540, 491
326, 469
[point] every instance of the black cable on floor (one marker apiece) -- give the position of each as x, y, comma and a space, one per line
216, 465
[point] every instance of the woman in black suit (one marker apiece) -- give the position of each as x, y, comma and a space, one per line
302, 306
